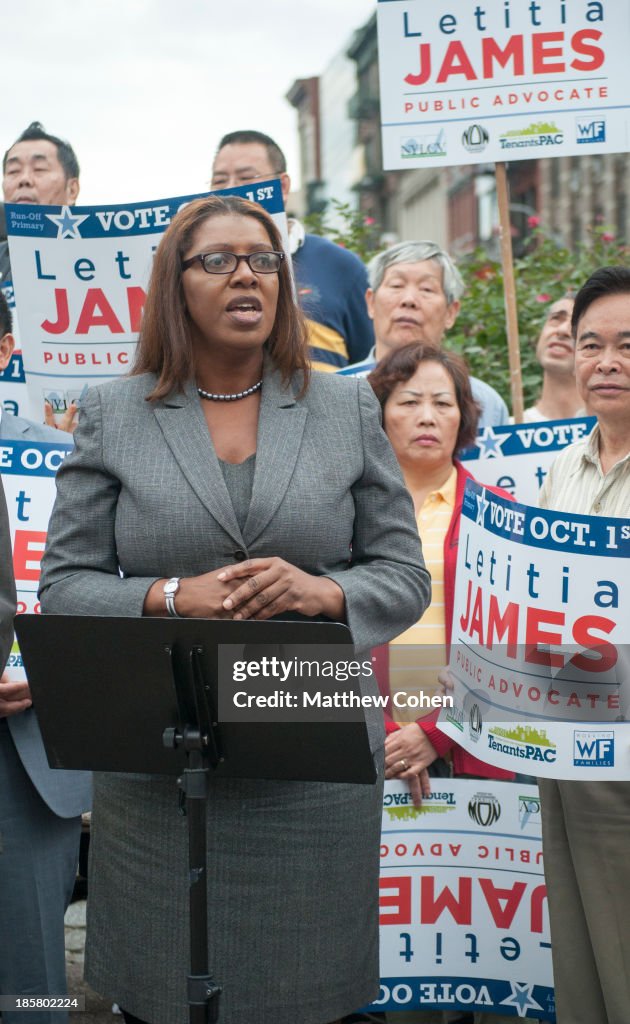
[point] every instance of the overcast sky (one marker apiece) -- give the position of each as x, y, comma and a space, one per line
144, 89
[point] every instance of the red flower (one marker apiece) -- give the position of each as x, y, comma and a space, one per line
484, 273
368, 221
543, 297
533, 221
607, 236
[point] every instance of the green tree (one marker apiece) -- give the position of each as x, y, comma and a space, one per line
546, 272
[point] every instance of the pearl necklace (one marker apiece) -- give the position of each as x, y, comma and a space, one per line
211, 397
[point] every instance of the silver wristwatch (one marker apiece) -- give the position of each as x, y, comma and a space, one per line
170, 589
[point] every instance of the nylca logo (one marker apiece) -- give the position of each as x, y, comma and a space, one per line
590, 131
593, 749
420, 147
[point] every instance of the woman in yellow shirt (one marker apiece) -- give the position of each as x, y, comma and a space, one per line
429, 414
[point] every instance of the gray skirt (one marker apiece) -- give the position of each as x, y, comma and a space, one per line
292, 898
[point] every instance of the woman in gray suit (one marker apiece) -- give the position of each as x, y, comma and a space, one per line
223, 480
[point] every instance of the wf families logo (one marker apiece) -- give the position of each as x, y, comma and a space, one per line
594, 749
590, 131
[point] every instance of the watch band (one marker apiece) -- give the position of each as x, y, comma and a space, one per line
170, 589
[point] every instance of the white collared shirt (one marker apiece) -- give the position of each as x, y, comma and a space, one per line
577, 483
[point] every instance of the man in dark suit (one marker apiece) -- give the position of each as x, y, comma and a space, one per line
40, 809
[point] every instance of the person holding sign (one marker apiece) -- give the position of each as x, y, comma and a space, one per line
38, 168
40, 809
220, 480
43, 170
586, 825
428, 414
18, 428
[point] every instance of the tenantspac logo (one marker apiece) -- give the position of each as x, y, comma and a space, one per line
593, 749
475, 138
542, 133
399, 806
589, 130
522, 742
529, 810
484, 809
420, 147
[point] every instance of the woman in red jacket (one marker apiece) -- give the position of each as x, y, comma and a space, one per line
429, 414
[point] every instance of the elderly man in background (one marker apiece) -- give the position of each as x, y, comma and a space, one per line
331, 281
414, 295
555, 354
586, 825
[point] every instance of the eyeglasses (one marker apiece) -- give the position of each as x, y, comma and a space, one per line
226, 262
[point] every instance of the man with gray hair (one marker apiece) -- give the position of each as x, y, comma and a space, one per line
414, 296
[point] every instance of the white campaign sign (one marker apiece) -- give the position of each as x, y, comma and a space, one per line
517, 458
14, 397
540, 640
28, 478
465, 83
464, 921
80, 276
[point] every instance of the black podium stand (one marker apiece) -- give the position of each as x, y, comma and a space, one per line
143, 695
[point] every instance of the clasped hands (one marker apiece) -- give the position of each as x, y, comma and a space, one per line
257, 588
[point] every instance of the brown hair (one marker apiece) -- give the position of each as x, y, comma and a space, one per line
401, 364
165, 345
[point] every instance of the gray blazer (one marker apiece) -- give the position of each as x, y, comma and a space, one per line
66, 793
143, 491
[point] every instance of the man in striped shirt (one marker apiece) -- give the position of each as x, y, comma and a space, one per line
586, 825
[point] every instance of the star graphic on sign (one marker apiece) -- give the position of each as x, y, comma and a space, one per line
67, 222
521, 997
489, 444
482, 504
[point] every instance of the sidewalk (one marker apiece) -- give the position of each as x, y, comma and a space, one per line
97, 1010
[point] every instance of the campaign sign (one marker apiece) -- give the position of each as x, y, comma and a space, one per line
517, 458
540, 640
463, 905
504, 80
14, 397
80, 277
28, 477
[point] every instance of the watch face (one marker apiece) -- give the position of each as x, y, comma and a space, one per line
171, 587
